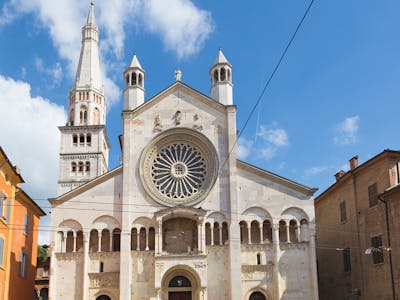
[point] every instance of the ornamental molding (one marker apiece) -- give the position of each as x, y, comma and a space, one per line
179, 167
103, 255
293, 246
77, 256
256, 247
107, 279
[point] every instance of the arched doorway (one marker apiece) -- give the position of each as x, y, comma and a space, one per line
180, 288
257, 296
103, 297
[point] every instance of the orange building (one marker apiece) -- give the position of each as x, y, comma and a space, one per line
19, 224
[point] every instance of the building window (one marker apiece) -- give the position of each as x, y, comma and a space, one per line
73, 167
23, 265
26, 224
80, 166
258, 259
75, 140
377, 250
1, 250
101, 267
45, 272
81, 140
346, 260
2, 199
8, 211
87, 166
373, 195
343, 213
88, 139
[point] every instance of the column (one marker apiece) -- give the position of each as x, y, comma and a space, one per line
158, 293
288, 232
212, 233
199, 242
64, 242
74, 241
99, 241
298, 232
85, 281
160, 240
277, 254
138, 239
53, 270
249, 233
147, 239
203, 236
313, 262
111, 240
261, 234
220, 234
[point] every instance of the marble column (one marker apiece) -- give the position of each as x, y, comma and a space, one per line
199, 234
212, 233
138, 239
147, 239
277, 254
99, 242
74, 241
249, 233
313, 261
288, 232
261, 234
220, 235
85, 281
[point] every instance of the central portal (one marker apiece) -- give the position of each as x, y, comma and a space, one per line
179, 288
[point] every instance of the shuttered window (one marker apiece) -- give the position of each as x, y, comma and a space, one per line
1, 251
26, 224
377, 250
373, 195
2, 199
346, 260
8, 211
343, 213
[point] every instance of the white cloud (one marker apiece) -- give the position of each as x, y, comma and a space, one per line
274, 135
313, 171
244, 148
182, 26
346, 131
183, 29
30, 136
267, 152
55, 72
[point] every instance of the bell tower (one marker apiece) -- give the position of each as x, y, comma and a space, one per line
84, 142
221, 80
134, 85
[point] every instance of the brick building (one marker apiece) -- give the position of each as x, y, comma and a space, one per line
353, 250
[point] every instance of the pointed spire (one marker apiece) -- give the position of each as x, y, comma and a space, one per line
221, 59
135, 62
91, 18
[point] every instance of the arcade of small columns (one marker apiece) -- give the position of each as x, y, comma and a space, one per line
208, 233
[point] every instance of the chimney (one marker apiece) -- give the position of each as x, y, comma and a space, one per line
339, 175
353, 162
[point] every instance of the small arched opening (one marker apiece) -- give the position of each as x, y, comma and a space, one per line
116, 240
267, 231
244, 233
105, 240
134, 243
103, 297
255, 232
282, 231
94, 241
257, 296
293, 231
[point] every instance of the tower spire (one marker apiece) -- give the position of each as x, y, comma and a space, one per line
91, 18
221, 80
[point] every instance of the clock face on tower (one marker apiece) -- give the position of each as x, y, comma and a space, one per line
179, 167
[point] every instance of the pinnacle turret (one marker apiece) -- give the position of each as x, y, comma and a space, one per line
221, 80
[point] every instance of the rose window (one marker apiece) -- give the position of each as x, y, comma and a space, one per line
179, 167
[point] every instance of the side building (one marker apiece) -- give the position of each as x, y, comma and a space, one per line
19, 224
354, 253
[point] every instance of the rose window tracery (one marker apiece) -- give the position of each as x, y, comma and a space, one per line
179, 167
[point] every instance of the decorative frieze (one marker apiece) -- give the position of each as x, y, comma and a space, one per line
256, 247
103, 280
293, 246
77, 256
103, 255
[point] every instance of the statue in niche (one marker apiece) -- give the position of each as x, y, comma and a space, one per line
157, 124
197, 126
178, 117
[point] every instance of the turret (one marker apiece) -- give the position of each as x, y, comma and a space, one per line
134, 85
221, 80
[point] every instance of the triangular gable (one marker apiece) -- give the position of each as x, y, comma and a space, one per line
178, 85
85, 187
276, 178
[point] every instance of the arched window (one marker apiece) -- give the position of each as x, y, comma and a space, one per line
103, 297
94, 241
116, 240
127, 80
255, 232
229, 75
88, 139
134, 79
79, 241
81, 139
60, 241
134, 239
225, 234
223, 74
83, 115
142, 239
216, 234
257, 296
87, 166
152, 238
293, 231
96, 116
75, 140
73, 166
208, 234
244, 234
282, 231
215, 76
267, 231
105, 240
304, 230
80, 166
70, 242
140, 80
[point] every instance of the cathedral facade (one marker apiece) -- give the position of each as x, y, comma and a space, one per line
181, 217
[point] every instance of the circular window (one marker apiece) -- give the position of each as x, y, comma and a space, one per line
179, 167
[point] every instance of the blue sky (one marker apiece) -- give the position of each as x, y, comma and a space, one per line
335, 95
